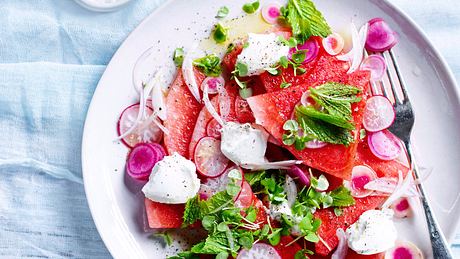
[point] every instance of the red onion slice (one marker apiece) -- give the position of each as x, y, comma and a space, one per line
297, 173
384, 145
377, 65
342, 247
380, 36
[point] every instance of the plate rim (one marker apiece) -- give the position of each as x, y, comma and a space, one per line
437, 54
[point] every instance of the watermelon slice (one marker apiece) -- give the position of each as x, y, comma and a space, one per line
271, 110
204, 117
330, 222
160, 215
287, 252
229, 60
182, 111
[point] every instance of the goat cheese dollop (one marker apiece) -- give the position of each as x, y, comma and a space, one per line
373, 233
262, 52
243, 144
173, 180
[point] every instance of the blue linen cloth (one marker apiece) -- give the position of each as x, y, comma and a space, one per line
52, 54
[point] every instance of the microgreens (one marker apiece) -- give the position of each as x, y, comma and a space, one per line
222, 12
178, 57
251, 7
220, 33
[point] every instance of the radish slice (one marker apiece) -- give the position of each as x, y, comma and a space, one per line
142, 159
360, 176
189, 75
213, 129
377, 65
342, 247
149, 134
313, 144
404, 249
244, 198
380, 36
258, 251
218, 184
333, 44
311, 48
297, 173
401, 208
379, 114
213, 83
209, 160
271, 12
384, 145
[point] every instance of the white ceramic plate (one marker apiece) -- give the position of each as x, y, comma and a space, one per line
116, 205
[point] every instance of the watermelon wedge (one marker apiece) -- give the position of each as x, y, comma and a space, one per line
160, 215
182, 111
330, 222
287, 252
271, 110
204, 117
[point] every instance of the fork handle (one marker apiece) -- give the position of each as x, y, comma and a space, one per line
439, 244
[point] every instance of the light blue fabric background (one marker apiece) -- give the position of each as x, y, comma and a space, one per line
52, 53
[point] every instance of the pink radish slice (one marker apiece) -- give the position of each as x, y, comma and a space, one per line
245, 197
271, 12
380, 37
379, 114
311, 48
297, 173
333, 44
377, 65
360, 176
213, 129
314, 144
305, 100
258, 251
218, 184
149, 134
214, 83
141, 160
403, 250
384, 145
401, 208
209, 160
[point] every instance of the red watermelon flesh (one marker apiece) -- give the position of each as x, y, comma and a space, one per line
229, 60
271, 110
287, 252
330, 222
160, 215
182, 112
204, 117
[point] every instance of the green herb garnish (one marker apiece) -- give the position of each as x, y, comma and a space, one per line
305, 20
220, 33
251, 7
209, 65
178, 57
167, 239
222, 12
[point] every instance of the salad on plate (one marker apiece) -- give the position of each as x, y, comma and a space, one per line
272, 140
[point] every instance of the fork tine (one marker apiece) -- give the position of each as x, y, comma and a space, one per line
398, 73
391, 77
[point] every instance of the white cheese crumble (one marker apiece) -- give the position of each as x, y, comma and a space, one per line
173, 180
243, 144
373, 233
263, 51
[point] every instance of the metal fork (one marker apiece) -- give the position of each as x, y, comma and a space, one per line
402, 128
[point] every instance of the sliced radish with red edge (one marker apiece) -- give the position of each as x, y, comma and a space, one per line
404, 249
142, 158
360, 176
214, 84
245, 197
213, 129
401, 208
379, 114
271, 12
296, 173
259, 251
209, 160
333, 44
150, 133
380, 37
384, 145
311, 48
376, 65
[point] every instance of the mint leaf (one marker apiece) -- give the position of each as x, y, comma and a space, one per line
223, 12
216, 203
254, 178
322, 131
209, 65
192, 211
311, 112
214, 244
185, 255
305, 20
